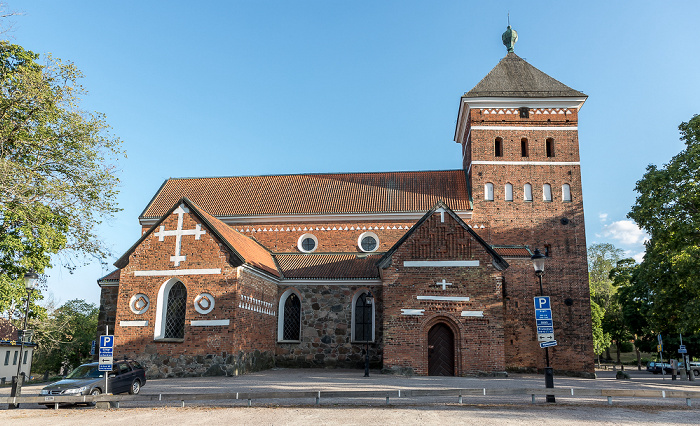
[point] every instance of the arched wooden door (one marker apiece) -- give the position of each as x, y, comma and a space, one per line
441, 351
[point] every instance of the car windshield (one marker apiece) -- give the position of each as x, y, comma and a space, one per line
85, 372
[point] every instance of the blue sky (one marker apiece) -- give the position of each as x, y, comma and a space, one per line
224, 88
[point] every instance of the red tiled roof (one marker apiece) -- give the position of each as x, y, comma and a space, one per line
513, 251
316, 193
112, 276
329, 266
250, 250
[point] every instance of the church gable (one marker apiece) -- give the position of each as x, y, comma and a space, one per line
442, 235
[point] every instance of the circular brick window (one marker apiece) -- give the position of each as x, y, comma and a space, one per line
307, 243
368, 242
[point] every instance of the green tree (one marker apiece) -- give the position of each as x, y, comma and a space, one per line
668, 209
601, 259
65, 335
57, 169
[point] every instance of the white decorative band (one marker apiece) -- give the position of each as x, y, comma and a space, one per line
412, 311
530, 163
133, 323
438, 263
170, 273
472, 313
256, 305
204, 323
444, 298
524, 127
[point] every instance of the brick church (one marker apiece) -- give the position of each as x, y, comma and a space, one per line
430, 270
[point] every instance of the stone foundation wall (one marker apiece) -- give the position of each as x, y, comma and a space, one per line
223, 364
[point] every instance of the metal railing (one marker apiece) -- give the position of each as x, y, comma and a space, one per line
113, 401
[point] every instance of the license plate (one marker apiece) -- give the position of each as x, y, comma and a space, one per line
48, 398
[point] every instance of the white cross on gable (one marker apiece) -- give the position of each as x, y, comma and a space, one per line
444, 284
179, 233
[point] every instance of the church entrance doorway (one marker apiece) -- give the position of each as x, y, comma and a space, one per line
441, 351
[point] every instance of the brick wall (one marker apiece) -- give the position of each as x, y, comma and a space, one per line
478, 341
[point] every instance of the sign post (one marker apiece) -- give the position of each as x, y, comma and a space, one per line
106, 356
545, 335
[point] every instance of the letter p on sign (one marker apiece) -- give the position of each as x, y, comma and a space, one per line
542, 302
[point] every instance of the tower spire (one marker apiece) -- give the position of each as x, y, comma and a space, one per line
509, 37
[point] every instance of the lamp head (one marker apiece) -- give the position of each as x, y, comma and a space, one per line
538, 262
31, 279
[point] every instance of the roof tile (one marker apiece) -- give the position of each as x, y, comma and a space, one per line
328, 266
315, 193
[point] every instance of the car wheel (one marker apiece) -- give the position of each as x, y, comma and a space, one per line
696, 373
94, 392
135, 387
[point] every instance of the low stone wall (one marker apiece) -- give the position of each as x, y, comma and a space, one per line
162, 366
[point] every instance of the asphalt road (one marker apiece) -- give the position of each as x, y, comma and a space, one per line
427, 410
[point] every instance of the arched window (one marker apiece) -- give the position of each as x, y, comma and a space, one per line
289, 318
498, 147
362, 318
549, 145
527, 192
175, 316
509, 192
547, 192
488, 191
171, 308
565, 192
524, 152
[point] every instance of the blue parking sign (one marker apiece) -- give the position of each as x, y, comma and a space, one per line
107, 341
542, 302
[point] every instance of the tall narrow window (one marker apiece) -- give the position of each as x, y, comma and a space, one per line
175, 316
292, 318
498, 147
549, 145
25, 357
363, 319
527, 192
7, 358
566, 192
488, 191
524, 152
509, 192
547, 192
14, 358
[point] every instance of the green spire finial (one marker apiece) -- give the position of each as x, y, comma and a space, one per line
509, 38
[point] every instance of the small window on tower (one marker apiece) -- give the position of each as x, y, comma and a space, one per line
527, 192
546, 192
524, 152
549, 144
524, 112
488, 191
498, 148
509, 192
566, 193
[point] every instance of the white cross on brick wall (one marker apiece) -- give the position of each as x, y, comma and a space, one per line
179, 233
444, 284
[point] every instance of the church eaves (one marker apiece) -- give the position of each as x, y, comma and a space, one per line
514, 77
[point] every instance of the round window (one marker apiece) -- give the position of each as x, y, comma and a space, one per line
368, 242
307, 243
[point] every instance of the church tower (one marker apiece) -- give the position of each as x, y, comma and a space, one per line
518, 130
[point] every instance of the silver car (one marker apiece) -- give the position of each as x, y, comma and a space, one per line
126, 376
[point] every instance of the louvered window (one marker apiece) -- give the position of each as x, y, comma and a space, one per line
292, 318
363, 319
175, 317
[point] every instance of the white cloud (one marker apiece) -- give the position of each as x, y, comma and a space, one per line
638, 257
624, 231
603, 217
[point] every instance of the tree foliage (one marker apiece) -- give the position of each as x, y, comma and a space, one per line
668, 209
601, 259
57, 168
64, 336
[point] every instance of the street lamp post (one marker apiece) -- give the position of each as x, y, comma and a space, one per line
30, 280
538, 262
369, 300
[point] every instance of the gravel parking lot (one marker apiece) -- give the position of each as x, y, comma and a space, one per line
483, 410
